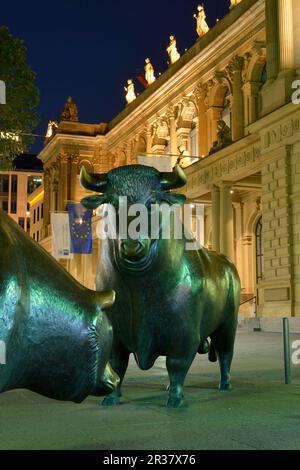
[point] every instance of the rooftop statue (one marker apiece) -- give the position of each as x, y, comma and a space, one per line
172, 50
51, 129
130, 93
70, 112
202, 27
149, 72
234, 3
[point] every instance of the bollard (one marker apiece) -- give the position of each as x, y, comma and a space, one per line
287, 351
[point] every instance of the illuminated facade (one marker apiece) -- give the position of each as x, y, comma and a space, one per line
226, 103
15, 189
36, 207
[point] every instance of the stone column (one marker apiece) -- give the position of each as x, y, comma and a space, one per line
201, 96
226, 221
251, 93
239, 232
73, 179
173, 135
63, 184
148, 140
235, 69
286, 36
215, 198
272, 39
213, 116
53, 188
47, 196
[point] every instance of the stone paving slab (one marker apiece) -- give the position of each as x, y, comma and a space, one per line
260, 413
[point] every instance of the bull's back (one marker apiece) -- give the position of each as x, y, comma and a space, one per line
47, 317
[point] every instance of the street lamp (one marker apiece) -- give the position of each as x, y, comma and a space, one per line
2, 92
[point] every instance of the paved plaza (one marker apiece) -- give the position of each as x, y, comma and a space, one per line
260, 413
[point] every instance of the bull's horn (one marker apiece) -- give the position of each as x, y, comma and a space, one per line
93, 182
174, 179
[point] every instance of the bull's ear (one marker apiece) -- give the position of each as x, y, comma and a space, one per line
106, 299
174, 198
92, 202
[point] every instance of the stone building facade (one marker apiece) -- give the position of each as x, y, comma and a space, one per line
227, 103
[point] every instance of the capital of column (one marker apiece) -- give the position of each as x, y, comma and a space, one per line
225, 184
214, 188
236, 65
200, 92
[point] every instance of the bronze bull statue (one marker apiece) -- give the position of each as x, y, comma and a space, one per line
56, 336
169, 300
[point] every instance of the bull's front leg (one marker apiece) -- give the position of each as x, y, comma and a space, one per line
177, 370
119, 362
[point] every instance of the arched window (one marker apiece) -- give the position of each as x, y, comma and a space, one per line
263, 78
259, 251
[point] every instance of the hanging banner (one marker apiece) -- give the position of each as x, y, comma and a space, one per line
61, 243
80, 220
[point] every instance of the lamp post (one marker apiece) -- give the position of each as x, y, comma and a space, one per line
2, 92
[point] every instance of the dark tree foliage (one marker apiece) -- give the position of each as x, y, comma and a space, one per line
17, 117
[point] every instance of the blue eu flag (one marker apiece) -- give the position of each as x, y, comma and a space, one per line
80, 220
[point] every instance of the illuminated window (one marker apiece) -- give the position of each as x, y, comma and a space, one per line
33, 182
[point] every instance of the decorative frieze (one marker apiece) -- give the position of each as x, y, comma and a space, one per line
224, 168
280, 132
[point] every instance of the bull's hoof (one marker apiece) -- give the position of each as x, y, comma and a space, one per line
225, 387
174, 402
111, 401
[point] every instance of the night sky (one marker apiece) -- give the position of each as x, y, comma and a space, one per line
88, 49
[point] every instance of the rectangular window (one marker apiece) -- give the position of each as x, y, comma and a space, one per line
37, 236
4, 180
34, 236
33, 182
13, 206
5, 206
22, 222
34, 216
14, 184
28, 224
42, 211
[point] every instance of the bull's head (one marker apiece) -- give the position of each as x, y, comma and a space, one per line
140, 185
